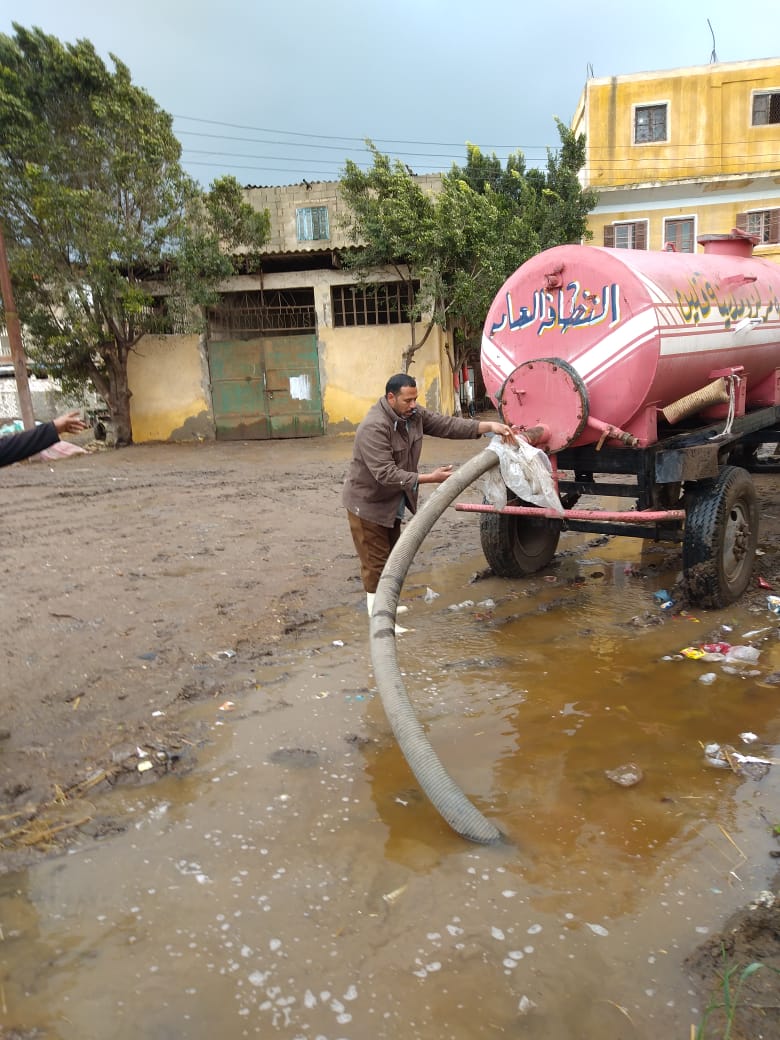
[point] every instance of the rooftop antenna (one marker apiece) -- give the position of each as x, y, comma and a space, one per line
590, 71
713, 56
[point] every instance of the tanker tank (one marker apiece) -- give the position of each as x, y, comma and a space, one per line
596, 344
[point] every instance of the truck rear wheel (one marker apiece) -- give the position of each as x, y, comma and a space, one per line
516, 546
721, 534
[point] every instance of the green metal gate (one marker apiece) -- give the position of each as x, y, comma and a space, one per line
267, 387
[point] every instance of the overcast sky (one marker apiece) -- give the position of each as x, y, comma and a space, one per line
277, 91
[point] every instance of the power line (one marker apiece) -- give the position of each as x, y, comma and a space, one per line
337, 137
304, 144
289, 158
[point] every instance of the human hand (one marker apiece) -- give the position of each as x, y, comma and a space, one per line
71, 422
506, 433
439, 475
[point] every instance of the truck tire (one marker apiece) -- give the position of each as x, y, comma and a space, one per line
516, 546
720, 538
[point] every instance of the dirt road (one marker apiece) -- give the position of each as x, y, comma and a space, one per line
131, 577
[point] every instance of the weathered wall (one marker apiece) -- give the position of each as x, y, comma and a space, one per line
170, 399
357, 362
283, 200
709, 128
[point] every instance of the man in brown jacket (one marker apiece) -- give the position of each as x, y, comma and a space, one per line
382, 480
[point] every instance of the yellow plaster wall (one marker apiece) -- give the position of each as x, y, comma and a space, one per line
710, 131
357, 362
166, 380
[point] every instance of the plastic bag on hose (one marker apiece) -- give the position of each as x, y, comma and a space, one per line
526, 471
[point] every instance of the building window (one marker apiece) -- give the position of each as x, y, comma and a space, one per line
649, 123
262, 312
763, 223
385, 303
766, 108
312, 223
679, 233
626, 235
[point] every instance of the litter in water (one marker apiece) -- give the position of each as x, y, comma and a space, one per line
627, 775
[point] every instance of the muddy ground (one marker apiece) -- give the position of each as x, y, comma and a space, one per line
138, 582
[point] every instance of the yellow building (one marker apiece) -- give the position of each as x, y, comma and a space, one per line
298, 349
682, 153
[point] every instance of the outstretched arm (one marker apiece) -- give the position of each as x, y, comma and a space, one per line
22, 445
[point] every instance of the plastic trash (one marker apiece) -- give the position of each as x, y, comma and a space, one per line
708, 678
773, 603
430, 595
662, 596
693, 653
743, 654
626, 775
724, 756
714, 756
525, 470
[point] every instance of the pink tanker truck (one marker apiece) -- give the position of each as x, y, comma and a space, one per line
652, 376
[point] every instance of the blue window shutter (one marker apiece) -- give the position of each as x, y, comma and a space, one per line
312, 223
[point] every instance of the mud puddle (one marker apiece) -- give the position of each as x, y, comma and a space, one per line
298, 884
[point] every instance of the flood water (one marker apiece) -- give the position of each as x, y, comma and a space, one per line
298, 884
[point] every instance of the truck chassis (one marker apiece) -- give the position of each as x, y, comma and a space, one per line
692, 486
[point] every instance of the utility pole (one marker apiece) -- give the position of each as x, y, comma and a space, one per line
15, 338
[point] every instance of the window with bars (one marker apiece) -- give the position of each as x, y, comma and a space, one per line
680, 233
629, 234
386, 303
766, 108
763, 223
650, 123
312, 223
263, 312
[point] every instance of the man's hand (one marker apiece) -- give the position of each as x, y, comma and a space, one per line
71, 422
506, 433
438, 476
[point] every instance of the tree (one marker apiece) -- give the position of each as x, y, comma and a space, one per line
392, 222
108, 238
462, 242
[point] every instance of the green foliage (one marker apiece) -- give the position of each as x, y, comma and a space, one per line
108, 238
732, 981
464, 240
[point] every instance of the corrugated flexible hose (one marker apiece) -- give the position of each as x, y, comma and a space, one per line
437, 784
